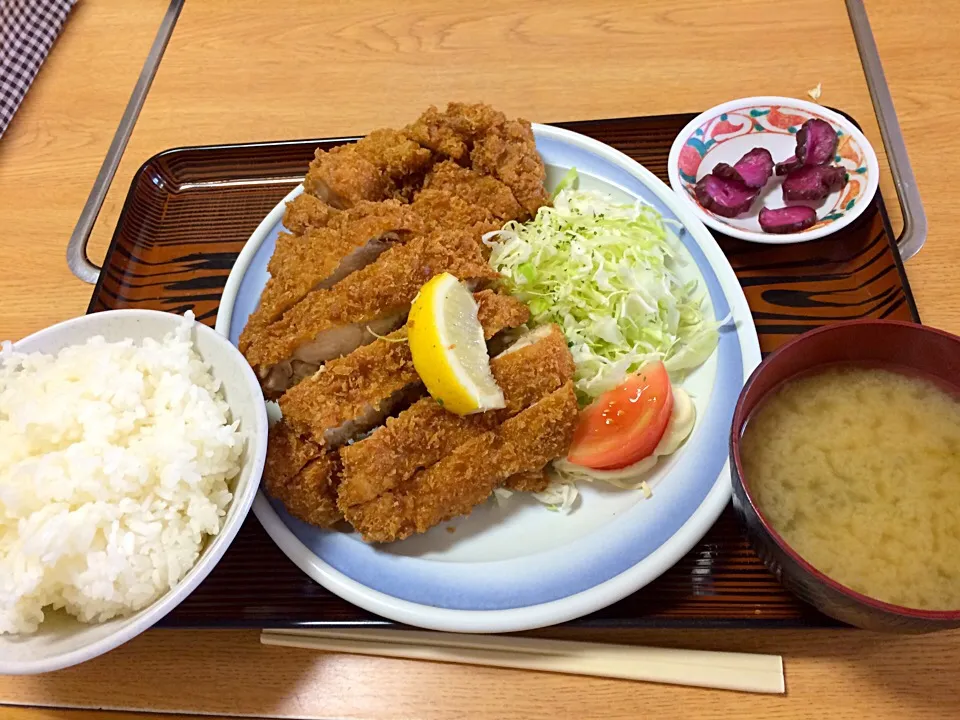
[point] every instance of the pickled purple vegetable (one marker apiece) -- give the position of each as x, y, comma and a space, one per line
788, 165
728, 172
813, 182
816, 142
756, 167
752, 170
724, 196
788, 219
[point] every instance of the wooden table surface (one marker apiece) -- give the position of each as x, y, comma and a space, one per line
243, 70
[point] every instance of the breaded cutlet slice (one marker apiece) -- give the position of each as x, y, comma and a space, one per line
508, 152
306, 211
352, 394
383, 289
303, 476
466, 477
498, 312
475, 188
451, 132
312, 494
287, 454
440, 209
373, 168
322, 257
423, 433
364, 221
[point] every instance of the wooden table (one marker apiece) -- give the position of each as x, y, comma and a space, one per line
242, 70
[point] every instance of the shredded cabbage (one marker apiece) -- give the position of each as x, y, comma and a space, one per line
607, 274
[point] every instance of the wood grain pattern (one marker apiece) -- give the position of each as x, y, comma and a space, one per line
228, 672
242, 70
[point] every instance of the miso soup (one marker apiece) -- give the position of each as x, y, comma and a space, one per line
858, 469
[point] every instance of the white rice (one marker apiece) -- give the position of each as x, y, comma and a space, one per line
115, 460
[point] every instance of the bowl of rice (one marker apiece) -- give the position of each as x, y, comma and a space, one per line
131, 447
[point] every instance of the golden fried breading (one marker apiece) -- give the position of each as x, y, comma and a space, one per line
431, 130
528, 481
324, 256
350, 396
349, 388
302, 476
311, 494
440, 209
417, 438
287, 453
423, 433
497, 312
342, 176
509, 153
467, 476
385, 287
475, 188
450, 133
315, 259
394, 153
494, 146
305, 212
371, 169
537, 363
354, 393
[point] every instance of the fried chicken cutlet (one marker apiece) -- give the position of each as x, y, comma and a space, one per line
451, 133
423, 434
322, 257
352, 394
343, 276
439, 209
374, 168
508, 152
483, 138
467, 476
306, 211
303, 476
475, 188
333, 322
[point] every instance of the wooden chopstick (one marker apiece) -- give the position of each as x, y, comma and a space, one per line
697, 668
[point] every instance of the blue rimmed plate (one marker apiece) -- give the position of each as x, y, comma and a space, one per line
518, 566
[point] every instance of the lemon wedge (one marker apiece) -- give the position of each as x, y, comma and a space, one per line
448, 349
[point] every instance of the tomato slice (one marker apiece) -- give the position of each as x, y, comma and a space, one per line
624, 425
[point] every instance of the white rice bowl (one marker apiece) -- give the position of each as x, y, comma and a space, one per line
124, 474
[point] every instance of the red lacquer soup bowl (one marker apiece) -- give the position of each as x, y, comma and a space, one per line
905, 347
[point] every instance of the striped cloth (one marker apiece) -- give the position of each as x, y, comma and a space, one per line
27, 31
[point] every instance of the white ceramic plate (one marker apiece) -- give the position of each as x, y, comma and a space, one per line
728, 131
520, 566
61, 640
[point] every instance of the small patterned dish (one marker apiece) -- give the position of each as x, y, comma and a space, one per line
726, 132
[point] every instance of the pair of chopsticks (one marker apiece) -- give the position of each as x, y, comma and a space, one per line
696, 668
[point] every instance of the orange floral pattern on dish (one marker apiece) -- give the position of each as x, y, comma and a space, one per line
783, 120
849, 151
851, 192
